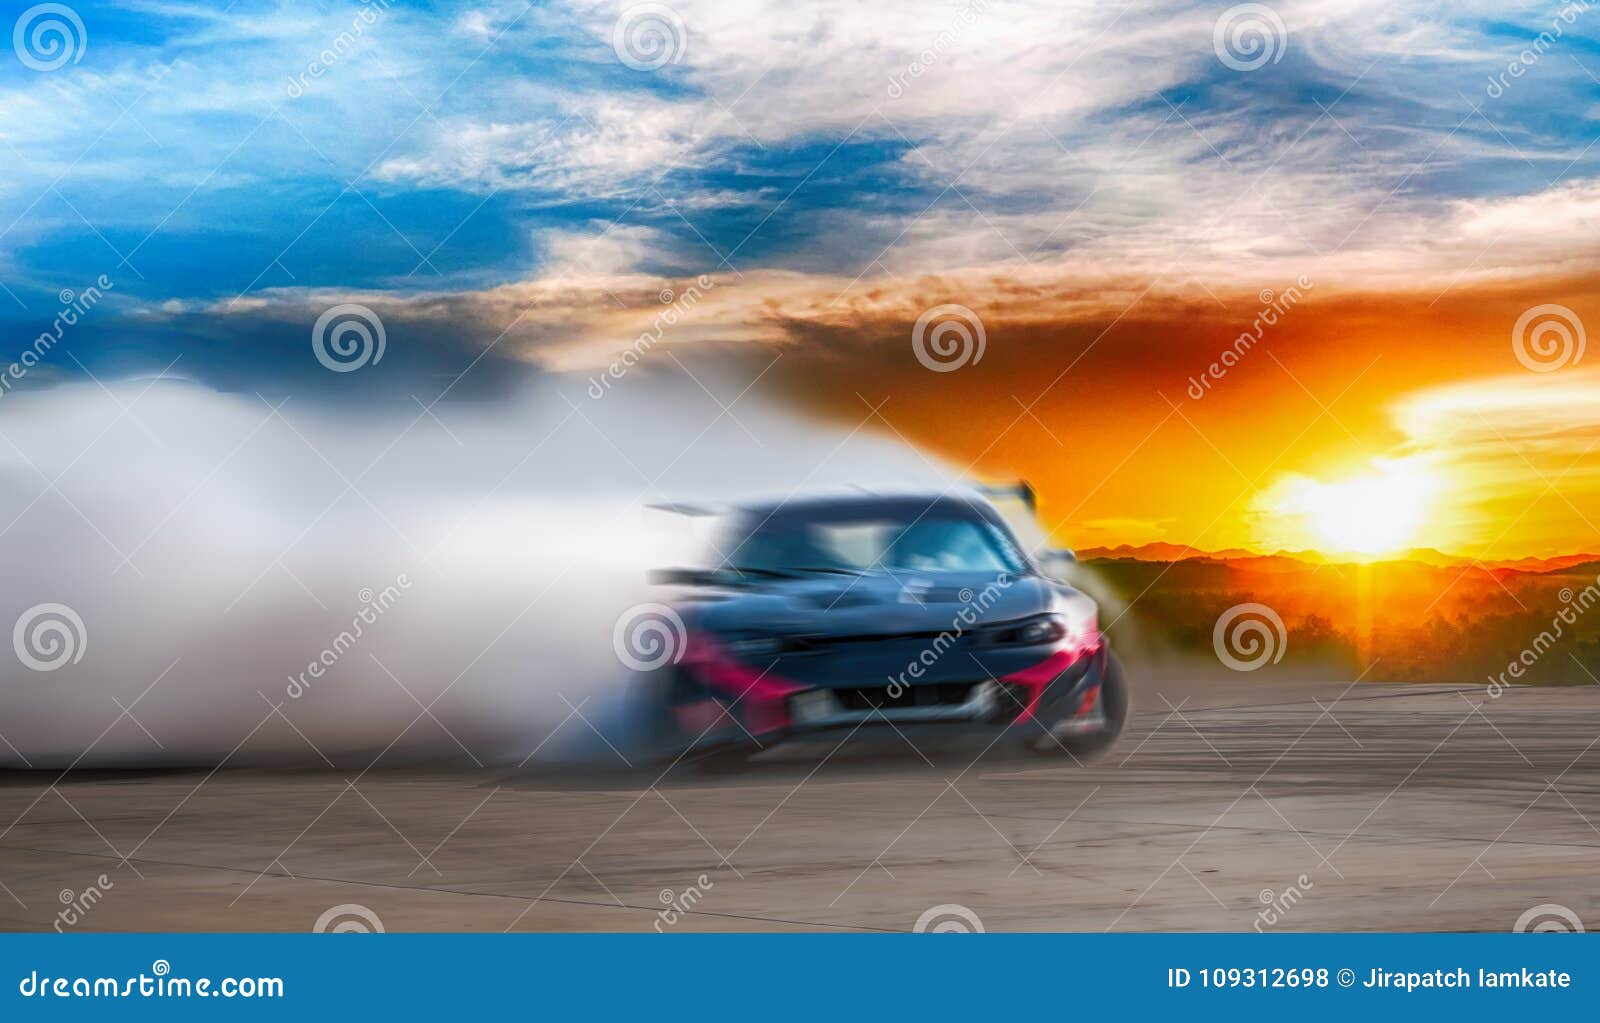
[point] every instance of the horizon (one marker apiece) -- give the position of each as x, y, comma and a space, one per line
1225, 554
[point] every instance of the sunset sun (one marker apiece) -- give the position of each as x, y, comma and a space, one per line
1378, 512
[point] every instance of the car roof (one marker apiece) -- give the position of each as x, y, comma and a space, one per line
864, 502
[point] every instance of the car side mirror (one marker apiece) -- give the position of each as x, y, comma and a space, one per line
684, 577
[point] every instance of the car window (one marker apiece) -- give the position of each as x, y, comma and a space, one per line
933, 545
924, 544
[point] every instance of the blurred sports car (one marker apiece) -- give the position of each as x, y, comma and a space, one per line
834, 614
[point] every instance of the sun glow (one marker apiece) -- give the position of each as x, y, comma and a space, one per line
1375, 513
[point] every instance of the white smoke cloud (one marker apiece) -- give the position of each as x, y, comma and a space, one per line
215, 545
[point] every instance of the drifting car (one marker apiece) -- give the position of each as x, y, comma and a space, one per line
832, 614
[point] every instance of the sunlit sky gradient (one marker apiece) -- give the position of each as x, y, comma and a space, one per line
1110, 197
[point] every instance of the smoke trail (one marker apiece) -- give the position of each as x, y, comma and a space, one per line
262, 578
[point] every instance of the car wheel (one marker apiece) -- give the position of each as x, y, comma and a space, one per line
1048, 737
666, 742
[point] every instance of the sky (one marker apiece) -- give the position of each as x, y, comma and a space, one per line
1306, 274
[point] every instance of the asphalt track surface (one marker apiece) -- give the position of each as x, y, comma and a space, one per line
1227, 806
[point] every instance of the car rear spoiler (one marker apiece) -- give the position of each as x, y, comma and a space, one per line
1021, 490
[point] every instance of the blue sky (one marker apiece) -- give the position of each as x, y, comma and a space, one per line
456, 165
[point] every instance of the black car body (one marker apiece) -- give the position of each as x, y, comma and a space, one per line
846, 612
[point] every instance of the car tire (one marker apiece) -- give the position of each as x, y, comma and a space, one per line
668, 745
1040, 739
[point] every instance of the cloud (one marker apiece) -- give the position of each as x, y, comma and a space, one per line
598, 289
1521, 454
834, 168
599, 147
1123, 136
1556, 227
